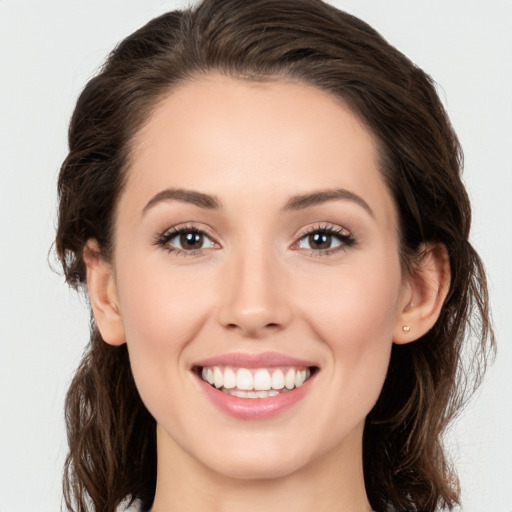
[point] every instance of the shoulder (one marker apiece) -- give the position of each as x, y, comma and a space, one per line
125, 506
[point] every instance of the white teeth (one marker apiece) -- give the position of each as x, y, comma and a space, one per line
289, 380
251, 394
262, 380
258, 383
218, 378
244, 379
278, 379
229, 379
265, 394
300, 378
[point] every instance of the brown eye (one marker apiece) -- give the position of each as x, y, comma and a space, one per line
191, 240
186, 240
325, 239
320, 240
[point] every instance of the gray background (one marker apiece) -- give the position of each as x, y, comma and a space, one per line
48, 49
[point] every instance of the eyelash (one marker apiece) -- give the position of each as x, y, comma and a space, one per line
344, 237
163, 239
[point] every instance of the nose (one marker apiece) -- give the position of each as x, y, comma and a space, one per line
254, 297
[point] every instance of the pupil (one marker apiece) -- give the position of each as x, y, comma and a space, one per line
191, 240
320, 240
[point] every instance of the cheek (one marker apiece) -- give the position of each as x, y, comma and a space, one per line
160, 316
357, 305
355, 317
160, 306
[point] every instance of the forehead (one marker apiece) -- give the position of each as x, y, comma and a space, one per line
230, 136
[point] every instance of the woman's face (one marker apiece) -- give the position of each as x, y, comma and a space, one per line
256, 245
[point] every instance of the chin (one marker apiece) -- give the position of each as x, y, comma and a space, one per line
255, 457
258, 468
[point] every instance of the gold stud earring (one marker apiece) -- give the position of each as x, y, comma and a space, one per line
406, 328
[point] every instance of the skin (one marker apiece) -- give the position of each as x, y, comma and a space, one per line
257, 286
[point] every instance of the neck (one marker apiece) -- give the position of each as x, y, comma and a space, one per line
332, 482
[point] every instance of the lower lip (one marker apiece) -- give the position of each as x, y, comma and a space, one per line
255, 408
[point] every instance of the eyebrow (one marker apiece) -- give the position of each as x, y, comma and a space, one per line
301, 202
186, 196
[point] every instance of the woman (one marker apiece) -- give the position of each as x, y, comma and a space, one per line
264, 201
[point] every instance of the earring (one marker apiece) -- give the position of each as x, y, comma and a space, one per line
406, 328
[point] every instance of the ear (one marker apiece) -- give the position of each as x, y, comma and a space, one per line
424, 293
103, 295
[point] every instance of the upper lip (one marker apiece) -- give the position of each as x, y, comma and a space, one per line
246, 360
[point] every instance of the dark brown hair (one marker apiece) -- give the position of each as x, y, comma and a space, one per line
111, 435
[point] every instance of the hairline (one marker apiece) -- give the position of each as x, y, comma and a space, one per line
283, 77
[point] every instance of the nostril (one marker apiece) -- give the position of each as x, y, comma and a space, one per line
253, 330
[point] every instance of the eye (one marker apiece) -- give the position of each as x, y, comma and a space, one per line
325, 239
190, 240
185, 240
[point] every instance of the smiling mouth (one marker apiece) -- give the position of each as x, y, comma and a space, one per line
255, 382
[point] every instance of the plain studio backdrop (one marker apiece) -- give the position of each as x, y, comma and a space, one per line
49, 49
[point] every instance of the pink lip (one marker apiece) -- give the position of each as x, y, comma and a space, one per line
254, 408
263, 360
